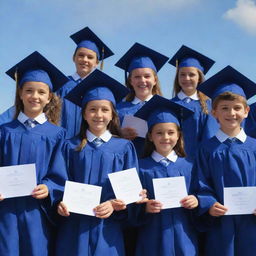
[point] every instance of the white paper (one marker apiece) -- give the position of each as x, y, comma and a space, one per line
169, 191
138, 124
240, 200
126, 185
81, 198
17, 180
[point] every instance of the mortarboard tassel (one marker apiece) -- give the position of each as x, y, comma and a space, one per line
102, 59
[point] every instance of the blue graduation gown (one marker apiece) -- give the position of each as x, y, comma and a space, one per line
169, 232
25, 228
71, 116
127, 108
82, 235
7, 115
197, 128
250, 122
220, 165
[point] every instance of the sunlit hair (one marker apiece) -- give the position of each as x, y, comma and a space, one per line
230, 97
113, 127
202, 97
149, 146
155, 90
52, 110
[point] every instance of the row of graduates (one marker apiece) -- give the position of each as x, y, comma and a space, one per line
26, 227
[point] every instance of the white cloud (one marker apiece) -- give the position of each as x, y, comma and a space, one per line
244, 14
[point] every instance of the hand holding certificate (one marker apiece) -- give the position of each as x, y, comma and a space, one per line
81, 198
138, 124
126, 185
169, 191
17, 180
240, 200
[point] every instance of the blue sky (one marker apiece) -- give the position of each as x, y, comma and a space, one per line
223, 30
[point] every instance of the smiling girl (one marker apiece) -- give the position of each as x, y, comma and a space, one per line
142, 64
90, 156
32, 137
169, 231
191, 67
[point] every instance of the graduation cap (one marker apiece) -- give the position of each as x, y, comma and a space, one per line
161, 110
36, 68
140, 56
187, 57
87, 39
228, 80
97, 86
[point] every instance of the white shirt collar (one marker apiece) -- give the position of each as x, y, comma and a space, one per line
158, 157
76, 77
137, 100
40, 118
181, 95
221, 136
106, 136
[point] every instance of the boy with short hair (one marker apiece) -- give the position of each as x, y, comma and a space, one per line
226, 160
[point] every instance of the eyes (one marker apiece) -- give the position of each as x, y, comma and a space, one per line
163, 133
191, 75
103, 109
31, 90
89, 56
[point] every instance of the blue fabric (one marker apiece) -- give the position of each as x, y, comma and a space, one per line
7, 115
25, 228
86, 235
169, 232
71, 116
250, 121
220, 165
197, 128
36, 76
127, 108
141, 62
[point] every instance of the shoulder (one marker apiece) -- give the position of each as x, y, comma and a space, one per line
64, 90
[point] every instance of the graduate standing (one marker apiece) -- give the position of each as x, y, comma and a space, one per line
191, 67
142, 64
226, 160
90, 156
89, 52
32, 137
167, 232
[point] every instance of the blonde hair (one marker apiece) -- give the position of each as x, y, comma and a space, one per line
156, 89
52, 110
113, 127
179, 148
202, 97
230, 96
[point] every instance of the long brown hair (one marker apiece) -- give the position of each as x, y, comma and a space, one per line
131, 95
202, 97
52, 110
149, 146
113, 127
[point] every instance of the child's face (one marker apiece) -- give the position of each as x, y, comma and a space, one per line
143, 80
85, 61
98, 114
188, 78
164, 136
230, 115
35, 96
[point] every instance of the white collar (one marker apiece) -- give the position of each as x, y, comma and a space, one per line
137, 100
40, 118
158, 157
76, 77
181, 95
106, 136
221, 136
